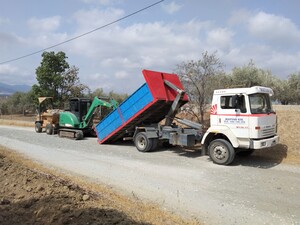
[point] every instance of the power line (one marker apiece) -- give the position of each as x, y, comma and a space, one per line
84, 34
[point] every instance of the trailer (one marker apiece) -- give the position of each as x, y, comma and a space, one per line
139, 116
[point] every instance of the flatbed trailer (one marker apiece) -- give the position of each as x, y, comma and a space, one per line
157, 99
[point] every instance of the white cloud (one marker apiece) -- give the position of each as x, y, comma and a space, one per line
110, 56
100, 2
156, 46
239, 16
172, 7
92, 19
45, 24
274, 28
10, 74
121, 74
7, 69
220, 38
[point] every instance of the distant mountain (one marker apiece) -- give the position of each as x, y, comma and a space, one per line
6, 89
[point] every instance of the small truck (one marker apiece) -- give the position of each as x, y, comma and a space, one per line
241, 119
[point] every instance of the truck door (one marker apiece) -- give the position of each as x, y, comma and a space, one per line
233, 114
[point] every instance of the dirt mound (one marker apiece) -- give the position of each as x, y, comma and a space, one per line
29, 196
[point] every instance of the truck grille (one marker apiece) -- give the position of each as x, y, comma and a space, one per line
268, 132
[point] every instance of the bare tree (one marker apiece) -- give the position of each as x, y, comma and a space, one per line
195, 76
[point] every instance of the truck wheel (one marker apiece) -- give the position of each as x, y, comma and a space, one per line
49, 129
221, 152
142, 142
38, 127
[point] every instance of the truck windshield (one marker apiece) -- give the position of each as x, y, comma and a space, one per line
260, 103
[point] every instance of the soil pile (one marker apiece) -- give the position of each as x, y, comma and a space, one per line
29, 196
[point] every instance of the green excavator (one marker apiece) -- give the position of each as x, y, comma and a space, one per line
77, 121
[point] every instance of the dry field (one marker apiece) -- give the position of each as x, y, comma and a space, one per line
288, 120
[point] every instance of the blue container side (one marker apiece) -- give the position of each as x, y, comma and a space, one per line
136, 102
132, 105
111, 123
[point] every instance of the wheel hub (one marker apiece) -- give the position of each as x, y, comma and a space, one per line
141, 142
220, 152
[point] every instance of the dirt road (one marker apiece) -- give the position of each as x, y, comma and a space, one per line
253, 190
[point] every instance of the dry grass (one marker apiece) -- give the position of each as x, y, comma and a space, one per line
288, 120
17, 120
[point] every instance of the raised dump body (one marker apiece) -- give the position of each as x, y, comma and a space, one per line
147, 105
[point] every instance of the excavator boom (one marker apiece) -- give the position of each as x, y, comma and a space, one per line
95, 104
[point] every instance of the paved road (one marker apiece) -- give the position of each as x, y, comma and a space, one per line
251, 191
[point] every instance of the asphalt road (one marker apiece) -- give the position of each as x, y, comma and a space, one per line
251, 191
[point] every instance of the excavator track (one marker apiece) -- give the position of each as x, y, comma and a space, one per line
71, 133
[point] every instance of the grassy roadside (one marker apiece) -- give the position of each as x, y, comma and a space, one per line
17, 120
26, 182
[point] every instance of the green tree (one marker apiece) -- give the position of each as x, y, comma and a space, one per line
18, 103
250, 75
294, 87
196, 77
57, 79
247, 76
282, 92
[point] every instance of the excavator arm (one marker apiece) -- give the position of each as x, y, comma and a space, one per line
95, 104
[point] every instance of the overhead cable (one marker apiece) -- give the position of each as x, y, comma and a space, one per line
84, 34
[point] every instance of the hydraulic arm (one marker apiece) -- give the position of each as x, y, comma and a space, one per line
97, 102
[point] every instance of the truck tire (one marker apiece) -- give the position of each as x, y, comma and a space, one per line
154, 144
38, 127
221, 152
49, 129
142, 142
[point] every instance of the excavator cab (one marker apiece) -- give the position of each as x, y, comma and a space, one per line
79, 107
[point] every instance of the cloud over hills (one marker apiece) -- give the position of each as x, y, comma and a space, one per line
116, 54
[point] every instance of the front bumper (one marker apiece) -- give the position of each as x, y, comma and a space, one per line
264, 143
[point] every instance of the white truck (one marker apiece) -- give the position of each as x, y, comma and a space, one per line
241, 120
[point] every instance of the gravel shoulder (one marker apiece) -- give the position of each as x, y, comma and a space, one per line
253, 190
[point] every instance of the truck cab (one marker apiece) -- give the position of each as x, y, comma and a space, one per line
241, 120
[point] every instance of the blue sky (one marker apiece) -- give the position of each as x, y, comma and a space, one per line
268, 32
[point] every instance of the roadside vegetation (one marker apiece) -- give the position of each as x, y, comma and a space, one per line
57, 79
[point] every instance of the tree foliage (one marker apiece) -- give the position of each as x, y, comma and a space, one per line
57, 79
100, 93
18, 103
285, 91
196, 77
